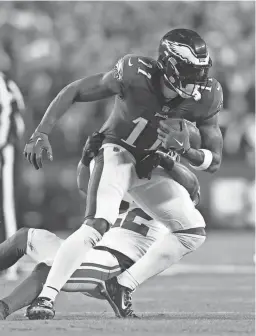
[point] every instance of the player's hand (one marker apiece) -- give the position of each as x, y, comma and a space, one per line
175, 139
34, 149
92, 147
167, 159
145, 166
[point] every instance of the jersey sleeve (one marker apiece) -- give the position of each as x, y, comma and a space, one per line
132, 70
212, 101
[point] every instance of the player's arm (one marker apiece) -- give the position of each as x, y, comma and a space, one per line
87, 89
83, 176
181, 174
84, 90
90, 150
209, 157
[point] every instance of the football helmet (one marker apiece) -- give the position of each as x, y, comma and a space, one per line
185, 61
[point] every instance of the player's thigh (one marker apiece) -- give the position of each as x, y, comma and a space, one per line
111, 176
167, 201
42, 245
97, 266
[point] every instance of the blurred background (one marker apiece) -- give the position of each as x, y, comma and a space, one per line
46, 45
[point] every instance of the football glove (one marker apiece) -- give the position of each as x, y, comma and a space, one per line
177, 138
91, 147
35, 148
145, 166
167, 159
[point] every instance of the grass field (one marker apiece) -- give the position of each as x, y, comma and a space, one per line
211, 292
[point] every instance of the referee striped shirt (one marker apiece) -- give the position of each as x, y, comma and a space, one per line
11, 106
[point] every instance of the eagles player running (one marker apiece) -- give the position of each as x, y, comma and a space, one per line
147, 92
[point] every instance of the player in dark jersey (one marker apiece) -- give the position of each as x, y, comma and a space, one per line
147, 92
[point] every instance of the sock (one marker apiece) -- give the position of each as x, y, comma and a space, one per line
12, 249
28, 290
160, 256
68, 258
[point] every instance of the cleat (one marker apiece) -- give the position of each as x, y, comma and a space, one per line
4, 310
41, 308
119, 297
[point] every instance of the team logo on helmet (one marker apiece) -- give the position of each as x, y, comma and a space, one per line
185, 53
118, 69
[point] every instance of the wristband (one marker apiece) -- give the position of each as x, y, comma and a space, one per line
207, 160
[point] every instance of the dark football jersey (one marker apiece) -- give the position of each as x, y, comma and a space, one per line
141, 105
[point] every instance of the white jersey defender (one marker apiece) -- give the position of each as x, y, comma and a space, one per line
120, 247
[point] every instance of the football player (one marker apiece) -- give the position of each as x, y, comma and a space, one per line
124, 244
147, 92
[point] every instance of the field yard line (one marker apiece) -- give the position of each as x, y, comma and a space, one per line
208, 269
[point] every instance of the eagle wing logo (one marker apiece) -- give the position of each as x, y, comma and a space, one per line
185, 53
118, 69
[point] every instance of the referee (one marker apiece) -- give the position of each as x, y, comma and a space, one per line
11, 131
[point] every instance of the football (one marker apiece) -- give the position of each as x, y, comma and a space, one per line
194, 135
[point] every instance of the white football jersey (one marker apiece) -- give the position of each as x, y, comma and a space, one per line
133, 234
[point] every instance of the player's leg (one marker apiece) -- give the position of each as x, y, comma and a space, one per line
168, 202
110, 179
25, 292
98, 265
9, 214
13, 248
41, 246
181, 174
161, 255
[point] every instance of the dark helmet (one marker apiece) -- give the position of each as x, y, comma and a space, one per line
185, 62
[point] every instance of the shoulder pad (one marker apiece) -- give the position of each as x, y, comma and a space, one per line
134, 69
212, 98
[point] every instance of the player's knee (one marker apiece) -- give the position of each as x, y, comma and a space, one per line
99, 224
191, 242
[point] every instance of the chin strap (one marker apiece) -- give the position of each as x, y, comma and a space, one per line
196, 95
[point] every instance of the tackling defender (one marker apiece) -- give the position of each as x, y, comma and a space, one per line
147, 92
133, 233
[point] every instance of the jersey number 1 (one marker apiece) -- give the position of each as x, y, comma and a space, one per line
141, 124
